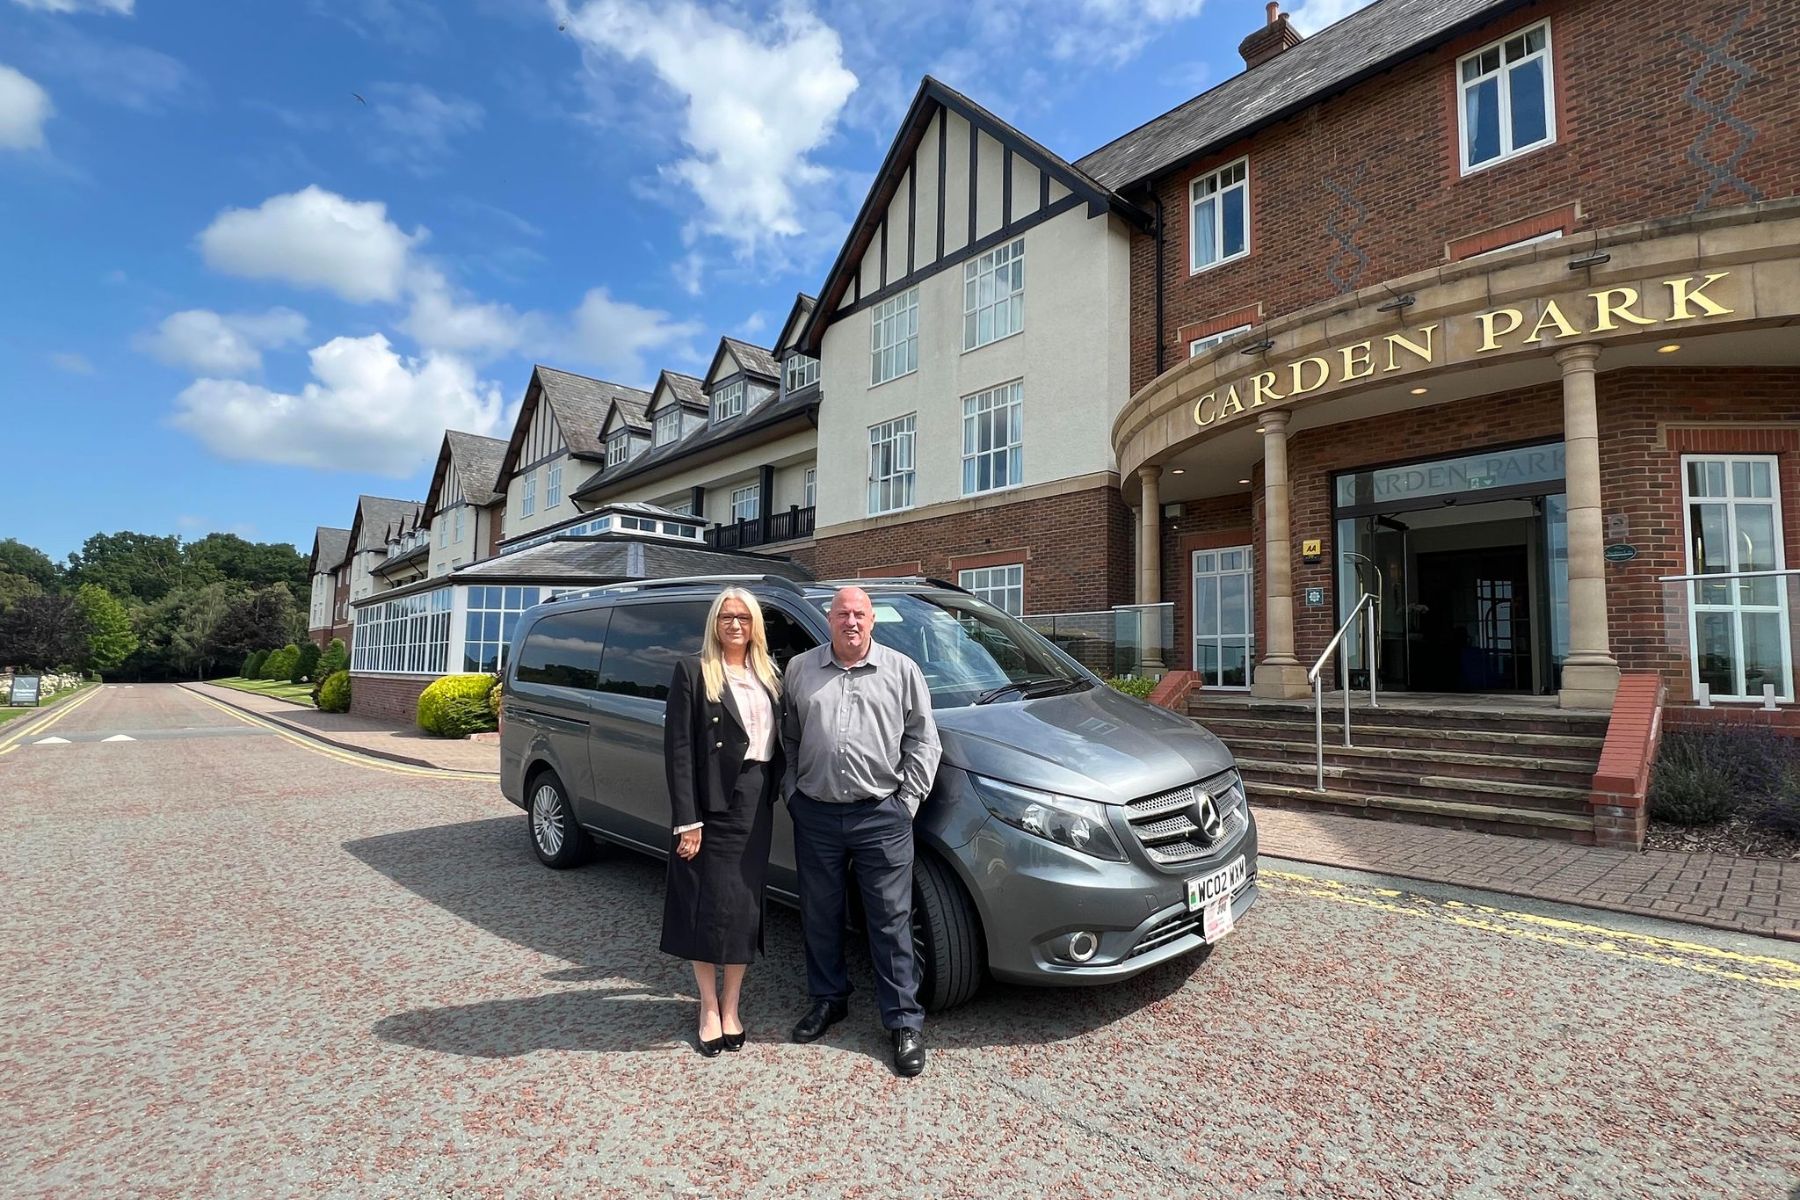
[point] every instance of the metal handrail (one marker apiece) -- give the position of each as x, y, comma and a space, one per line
1716, 576
1316, 677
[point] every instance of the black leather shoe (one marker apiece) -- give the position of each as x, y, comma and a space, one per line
909, 1052
820, 1017
733, 1042
710, 1047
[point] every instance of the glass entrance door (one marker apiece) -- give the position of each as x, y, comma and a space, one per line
1223, 637
1738, 626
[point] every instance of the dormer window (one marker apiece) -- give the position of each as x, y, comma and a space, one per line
668, 425
801, 371
618, 446
728, 401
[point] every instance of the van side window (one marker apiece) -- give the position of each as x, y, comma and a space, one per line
563, 650
787, 637
645, 641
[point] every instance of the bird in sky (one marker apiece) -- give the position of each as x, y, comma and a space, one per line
359, 99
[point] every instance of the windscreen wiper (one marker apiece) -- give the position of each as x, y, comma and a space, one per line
1030, 689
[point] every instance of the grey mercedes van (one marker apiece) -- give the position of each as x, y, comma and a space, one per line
1074, 834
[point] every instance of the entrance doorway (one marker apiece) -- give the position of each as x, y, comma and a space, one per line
1468, 560
1224, 645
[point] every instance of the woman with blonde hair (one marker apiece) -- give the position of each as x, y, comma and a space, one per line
723, 746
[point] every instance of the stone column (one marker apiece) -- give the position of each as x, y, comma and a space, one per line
1590, 672
1149, 581
1279, 674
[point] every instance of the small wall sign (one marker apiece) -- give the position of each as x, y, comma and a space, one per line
25, 691
1620, 552
1309, 550
1315, 597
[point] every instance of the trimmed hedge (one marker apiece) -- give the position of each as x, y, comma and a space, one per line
1706, 776
254, 664
336, 658
306, 663
494, 698
280, 664
1133, 685
334, 692
442, 712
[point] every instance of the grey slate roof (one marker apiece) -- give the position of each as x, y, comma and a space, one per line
1333, 58
754, 359
610, 557
330, 544
377, 516
581, 405
412, 558
477, 461
776, 409
796, 321
688, 391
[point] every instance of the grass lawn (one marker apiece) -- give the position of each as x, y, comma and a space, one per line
299, 693
7, 714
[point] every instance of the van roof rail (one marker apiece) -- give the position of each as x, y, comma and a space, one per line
883, 579
644, 585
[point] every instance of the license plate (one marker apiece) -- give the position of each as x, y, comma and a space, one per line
1210, 895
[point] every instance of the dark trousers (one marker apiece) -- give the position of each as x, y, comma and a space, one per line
877, 837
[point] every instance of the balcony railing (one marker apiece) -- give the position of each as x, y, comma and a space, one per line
1732, 636
796, 522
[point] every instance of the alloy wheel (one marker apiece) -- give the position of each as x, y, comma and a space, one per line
547, 820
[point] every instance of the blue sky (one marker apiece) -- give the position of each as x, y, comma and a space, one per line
256, 256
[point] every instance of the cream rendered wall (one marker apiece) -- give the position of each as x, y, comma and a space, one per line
1071, 355
473, 542
323, 591
721, 475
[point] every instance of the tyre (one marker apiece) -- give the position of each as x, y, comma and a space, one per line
557, 838
946, 937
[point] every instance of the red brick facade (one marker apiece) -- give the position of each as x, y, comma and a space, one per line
1076, 548
387, 697
1624, 131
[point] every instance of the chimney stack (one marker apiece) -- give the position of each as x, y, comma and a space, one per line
1270, 40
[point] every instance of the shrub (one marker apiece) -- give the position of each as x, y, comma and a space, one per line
435, 715
253, 665
334, 692
1779, 812
306, 663
336, 658
1133, 685
1692, 792
1705, 776
280, 664
495, 696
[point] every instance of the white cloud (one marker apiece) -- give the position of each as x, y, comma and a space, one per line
121, 7
367, 408
412, 125
24, 107
110, 70
74, 364
444, 318
210, 343
759, 101
617, 337
314, 238
1314, 15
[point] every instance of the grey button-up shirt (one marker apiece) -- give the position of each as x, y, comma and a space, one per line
856, 732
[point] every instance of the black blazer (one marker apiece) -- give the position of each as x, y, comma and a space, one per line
704, 746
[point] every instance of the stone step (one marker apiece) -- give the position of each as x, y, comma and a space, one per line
1483, 818
1556, 772
1476, 792
1525, 720
1450, 738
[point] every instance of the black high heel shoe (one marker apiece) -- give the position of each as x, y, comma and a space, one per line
709, 1047
733, 1042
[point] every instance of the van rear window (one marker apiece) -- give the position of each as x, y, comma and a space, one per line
563, 650
645, 641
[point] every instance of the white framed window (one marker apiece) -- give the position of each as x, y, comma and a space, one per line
891, 465
528, 501
1552, 236
1002, 587
809, 487
746, 502
1506, 99
683, 508
1201, 345
994, 295
801, 371
728, 401
894, 337
1219, 216
443, 525
668, 425
1737, 626
553, 484
993, 438
618, 447
459, 525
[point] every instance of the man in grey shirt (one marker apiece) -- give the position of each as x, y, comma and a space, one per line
862, 751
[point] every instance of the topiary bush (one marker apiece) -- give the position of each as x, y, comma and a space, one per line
334, 692
1133, 685
437, 716
305, 663
280, 665
336, 658
254, 664
495, 696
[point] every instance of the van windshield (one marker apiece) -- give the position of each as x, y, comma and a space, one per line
969, 651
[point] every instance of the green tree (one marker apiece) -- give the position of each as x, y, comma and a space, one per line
336, 658
16, 558
110, 636
197, 618
136, 565
259, 564
15, 587
307, 664
43, 632
265, 617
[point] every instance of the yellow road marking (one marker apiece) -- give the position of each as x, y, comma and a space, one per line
1764, 970
35, 725
343, 756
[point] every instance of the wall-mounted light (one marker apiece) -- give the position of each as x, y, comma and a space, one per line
1262, 347
1420, 391
1179, 471
1596, 259
1243, 481
1671, 348
1396, 304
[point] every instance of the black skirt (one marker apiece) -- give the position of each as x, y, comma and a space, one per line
713, 909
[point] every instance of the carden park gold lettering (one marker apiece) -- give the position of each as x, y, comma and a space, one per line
1613, 309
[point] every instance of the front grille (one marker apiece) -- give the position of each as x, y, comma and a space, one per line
1168, 833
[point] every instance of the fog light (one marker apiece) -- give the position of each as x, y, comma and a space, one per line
1083, 946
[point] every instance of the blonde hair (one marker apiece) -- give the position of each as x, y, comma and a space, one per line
712, 651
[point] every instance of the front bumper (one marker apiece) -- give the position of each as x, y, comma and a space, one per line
1033, 893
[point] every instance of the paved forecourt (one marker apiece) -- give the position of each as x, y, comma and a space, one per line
240, 964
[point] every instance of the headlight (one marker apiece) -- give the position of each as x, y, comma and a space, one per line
1078, 824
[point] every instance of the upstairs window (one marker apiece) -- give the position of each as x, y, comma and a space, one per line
668, 426
1201, 345
553, 485
1219, 216
528, 501
1507, 101
458, 531
745, 502
443, 531
728, 401
994, 295
993, 435
891, 465
809, 487
801, 371
618, 447
894, 337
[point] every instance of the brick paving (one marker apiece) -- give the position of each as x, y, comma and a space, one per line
1749, 895
366, 735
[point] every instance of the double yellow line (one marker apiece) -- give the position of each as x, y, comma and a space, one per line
1762, 970
30, 726
344, 756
